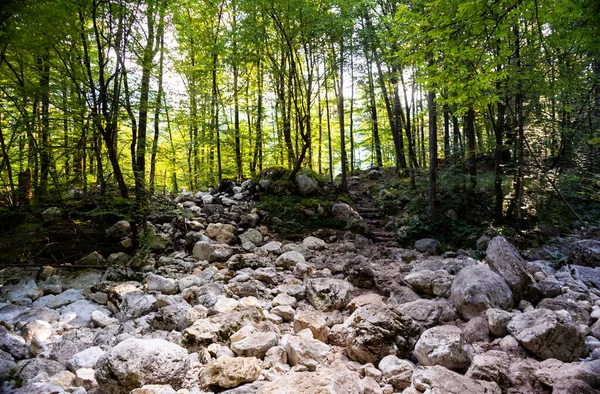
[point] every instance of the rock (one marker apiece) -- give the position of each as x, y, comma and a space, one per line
374, 331
160, 284
328, 294
221, 233
288, 260
476, 330
212, 252
136, 362
498, 321
365, 299
304, 350
78, 314
477, 288
424, 313
119, 230
127, 301
18, 290
579, 315
246, 260
85, 377
255, 345
28, 369
314, 243
553, 372
336, 379
119, 259
85, 359
585, 253
345, 213
590, 277
252, 235
101, 319
429, 282
206, 276
63, 379
504, 259
443, 345
81, 279
396, 372
154, 389
227, 372
37, 329
548, 334
7, 363
437, 379
92, 259
306, 185
56, 301
491, 366
427, 245
313, 321
272, 247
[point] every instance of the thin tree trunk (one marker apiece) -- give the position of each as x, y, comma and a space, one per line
432, 152
158, 105
470, 133
373, 112
344, 184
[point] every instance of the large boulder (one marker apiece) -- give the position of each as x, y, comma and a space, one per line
137, 362
443, 345
306, 185
375, 331
504, 259
327, 294
492, 366
439, 380
337, 379
477, 288
585, 252
433, 283
548, 334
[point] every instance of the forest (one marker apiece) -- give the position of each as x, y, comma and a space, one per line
126, 98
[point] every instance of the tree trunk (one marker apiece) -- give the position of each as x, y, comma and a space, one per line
432, 152
471, 157
344, 184
373, 112
161, 41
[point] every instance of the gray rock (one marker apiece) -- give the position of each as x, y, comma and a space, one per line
252, 235
78, 314
7, 363
303, 349
288, 260
443, 345
585, 253
28, 369
212, 252
498, 321
92, 259
492, 366
424, 313
548, 334
127, 301
255, 345
314, 243
504, 259
160, 284
478, 288
119, 230
436, 283
306, 185
221, 233
427, 245
328, 294
13, 292
396, 371
437, 379
85, 359
374, 331
136, 362
345, 213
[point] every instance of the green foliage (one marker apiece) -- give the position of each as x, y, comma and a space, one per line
293, 215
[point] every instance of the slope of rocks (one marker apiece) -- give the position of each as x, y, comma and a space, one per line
221, 307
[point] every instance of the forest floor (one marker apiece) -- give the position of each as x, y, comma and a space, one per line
219, 302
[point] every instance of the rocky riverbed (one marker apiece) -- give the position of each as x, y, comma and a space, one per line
220, 305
